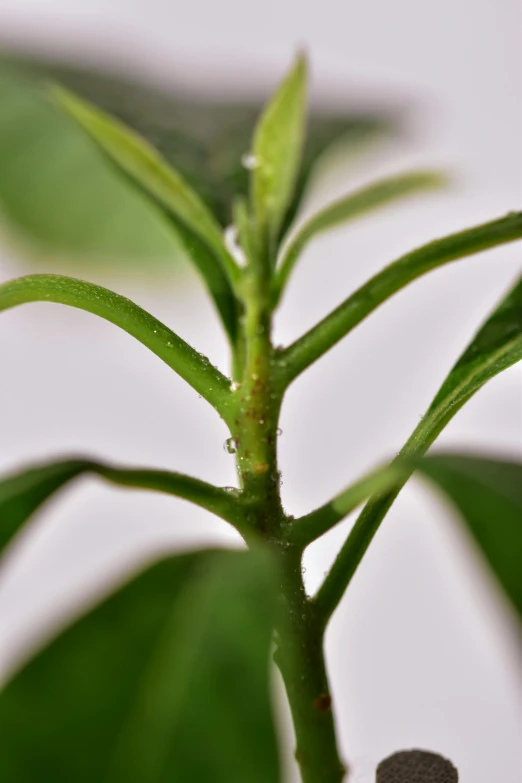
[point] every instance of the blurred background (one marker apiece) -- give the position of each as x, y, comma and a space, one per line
422, 652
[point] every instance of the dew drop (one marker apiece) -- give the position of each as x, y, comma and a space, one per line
230, 445
232, 490
279, 431
250, 161
234, 386
233, 246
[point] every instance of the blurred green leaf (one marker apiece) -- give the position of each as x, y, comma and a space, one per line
57, 193
350, 207
202, 138
277, 148
166, 680
488, 494
22, 493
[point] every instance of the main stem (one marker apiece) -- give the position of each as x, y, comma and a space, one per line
299, 633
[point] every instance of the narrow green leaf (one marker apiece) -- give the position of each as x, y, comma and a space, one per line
326, 133
277, 149
195, 369
305, 530
488, 494
22, 493
166, 680
348, 208
324, 335
496, 346
145, 165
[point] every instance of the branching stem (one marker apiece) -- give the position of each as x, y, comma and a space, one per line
299, 634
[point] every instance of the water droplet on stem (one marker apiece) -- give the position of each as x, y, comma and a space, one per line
250, 161
230, 238
230, 445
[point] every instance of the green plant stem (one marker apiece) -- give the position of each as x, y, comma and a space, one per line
254, 433
324, 335
300, 659
257, 404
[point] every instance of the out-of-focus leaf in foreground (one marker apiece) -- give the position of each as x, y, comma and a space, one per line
58, 195
166, 680
488, 494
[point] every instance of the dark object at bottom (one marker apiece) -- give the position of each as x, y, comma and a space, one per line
416, 766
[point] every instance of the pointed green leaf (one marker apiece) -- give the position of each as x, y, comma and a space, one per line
496, 346
22, 493
195, 369
138, 159
348, 137
348, 208
324, 335
166, 680
277, 149
488, 494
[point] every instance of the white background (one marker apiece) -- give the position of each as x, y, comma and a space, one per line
422, 651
